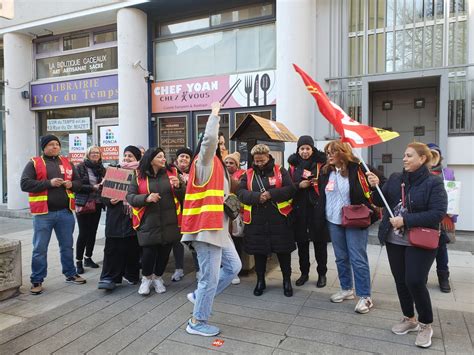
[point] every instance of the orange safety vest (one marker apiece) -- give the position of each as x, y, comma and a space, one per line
318, 169
204, 204
39, 200
144, 188
284, 207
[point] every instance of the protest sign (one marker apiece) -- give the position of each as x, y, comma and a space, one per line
116, 182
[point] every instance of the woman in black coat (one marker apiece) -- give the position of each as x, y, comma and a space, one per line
157, 228
305, 166
121, 251
91, 172
266, 190
425, 206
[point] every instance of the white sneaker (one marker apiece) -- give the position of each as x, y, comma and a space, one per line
235, 281
191, 297
159, 285
364, 305
423, 339
145, 286
342, 295
178, 275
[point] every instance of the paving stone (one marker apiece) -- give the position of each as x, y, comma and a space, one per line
302, 346
285, 352
105, 336
7, 320
254, 313
455, 332
231, 346
256, 325
259, 303
175, 348
161, 329
361, 343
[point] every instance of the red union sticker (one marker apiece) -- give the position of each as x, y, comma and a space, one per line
218, 342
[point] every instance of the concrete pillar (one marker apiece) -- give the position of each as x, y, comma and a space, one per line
133, 88
295, 38
20, 125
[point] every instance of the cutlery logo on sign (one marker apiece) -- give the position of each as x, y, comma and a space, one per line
257, 89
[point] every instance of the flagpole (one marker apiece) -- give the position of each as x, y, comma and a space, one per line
376, 186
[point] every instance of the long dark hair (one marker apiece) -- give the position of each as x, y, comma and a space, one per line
145, 161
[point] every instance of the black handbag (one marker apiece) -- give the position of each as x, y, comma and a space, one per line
232, 206
81, 199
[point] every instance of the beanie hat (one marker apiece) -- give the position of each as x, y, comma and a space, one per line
234, 156
135, 151
305, 140
434, 146
48, 138
184, 150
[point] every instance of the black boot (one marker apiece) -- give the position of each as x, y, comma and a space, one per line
258, 291
321, 281
90, 263
287, 289
302, 280
79, 267
443, 280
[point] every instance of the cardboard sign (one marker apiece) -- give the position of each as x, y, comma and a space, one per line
116, 182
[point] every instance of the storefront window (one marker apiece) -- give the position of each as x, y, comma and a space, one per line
217, 53
76, 41
243, 14
66, 124
106, 111
47, 47
224, 125
184, 26
104, 37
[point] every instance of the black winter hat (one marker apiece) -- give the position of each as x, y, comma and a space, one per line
48, 138
135, 151
184, 150
308, 140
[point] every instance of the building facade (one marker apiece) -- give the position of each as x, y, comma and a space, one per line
113, 73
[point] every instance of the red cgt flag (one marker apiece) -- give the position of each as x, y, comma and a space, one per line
351, 131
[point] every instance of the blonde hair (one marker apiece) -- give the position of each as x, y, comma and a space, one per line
422, 149
260, 149
90, 149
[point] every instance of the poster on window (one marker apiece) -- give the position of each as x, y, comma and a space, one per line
77, 147
453, 189
108, 143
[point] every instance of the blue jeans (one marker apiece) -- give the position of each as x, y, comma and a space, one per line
218, 266
63, 224
350, 249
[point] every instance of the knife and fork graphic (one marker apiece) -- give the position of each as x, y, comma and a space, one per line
263, 84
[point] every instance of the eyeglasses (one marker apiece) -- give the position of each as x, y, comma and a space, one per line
94, 153
330, 154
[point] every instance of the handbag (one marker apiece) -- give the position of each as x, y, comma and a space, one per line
421, 237
89, 207
237, 227
232, 206
425, 238
81, 199
356, 216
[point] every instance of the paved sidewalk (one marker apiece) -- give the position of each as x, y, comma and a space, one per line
81, 319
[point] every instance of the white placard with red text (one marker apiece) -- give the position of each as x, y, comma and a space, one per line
77, 147
109, 145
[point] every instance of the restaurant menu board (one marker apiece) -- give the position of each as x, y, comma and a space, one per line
172, 135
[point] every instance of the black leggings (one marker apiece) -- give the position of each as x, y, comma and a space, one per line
410, 267
320, 254
283, 258
121, 259
88, 224
155, 258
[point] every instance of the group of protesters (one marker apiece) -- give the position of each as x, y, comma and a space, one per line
173, 205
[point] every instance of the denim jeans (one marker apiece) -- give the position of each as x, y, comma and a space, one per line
350, 249
62, 222
218, 266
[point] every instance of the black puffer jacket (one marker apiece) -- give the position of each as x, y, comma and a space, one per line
159, 223
87, 189
306, 201
356, 193
269, 231
426, 200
